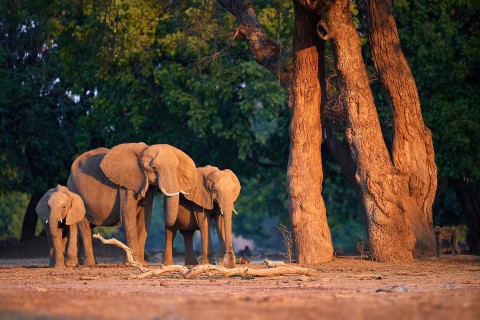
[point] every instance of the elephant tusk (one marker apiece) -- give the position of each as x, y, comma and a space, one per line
236, 213
61, 221
184, 193
221, 211
168, 194
46, 221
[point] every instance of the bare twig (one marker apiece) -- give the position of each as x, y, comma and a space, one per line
287, 241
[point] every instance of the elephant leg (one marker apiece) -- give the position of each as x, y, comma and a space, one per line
169, 237
142, 237
86, 234
188, 241
204, 227
58, 246
128, 207
143, 222
72, 250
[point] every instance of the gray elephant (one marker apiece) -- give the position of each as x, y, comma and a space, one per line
117, 186
60, 210
212, 197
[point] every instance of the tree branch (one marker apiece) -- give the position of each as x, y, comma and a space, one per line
265, 51
128, 251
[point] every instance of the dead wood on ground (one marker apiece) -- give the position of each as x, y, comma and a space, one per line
274, 268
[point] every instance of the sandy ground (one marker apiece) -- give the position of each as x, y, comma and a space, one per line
346, 288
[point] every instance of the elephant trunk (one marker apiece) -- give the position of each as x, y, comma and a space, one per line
227, 208
171, 210
57, 241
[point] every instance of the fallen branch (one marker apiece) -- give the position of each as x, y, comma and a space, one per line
277, 271
275, 268
273, 264
163, 270
128, 251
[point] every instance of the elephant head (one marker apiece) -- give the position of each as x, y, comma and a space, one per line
135, 166
60, 205
223, 188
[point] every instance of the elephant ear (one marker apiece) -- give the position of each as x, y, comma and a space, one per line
76, 211
42, 209
236, 182
201, 194
122, 166
186, 172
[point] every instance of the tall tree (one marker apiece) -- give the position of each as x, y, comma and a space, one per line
397, 202
412, 151
444, 54
303, 86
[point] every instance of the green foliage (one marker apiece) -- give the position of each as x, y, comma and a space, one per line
12, 208
37, 117
441, 41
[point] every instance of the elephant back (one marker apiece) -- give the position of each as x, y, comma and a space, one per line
98, 193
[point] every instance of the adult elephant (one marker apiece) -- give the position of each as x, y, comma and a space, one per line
117, 186
212, 197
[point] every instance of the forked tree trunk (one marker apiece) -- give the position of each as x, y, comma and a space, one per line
384, 190
304, 175
412, 152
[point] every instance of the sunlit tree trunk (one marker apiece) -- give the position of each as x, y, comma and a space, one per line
412, 151
384, 190
304, 175
303, 88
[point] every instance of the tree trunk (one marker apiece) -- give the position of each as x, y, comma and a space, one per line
412, 152
469, 198
30, 220
304, 174
385, 192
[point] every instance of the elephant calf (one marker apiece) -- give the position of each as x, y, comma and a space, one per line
212, 197
60, 210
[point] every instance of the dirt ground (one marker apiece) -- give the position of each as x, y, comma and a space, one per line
346, 288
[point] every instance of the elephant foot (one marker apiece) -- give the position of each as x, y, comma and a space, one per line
71, 263
59, 265
167, 261
205, 260
229, 260
90, 262
142, 262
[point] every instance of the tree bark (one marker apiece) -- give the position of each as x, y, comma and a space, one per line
385, 192
304, 174
30, 220
412, 152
